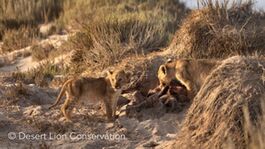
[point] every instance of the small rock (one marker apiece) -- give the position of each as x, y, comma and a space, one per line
31, 85
170, 135
109, 125
32, 111
123, 131
129, 123
62, 119
151, 144
122, 111
2, 117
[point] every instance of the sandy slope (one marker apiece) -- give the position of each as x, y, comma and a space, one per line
26, 63
16, 61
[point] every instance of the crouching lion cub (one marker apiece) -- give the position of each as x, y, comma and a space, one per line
190, 73
93, 89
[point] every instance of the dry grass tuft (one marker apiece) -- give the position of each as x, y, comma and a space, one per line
20, 12
105, 43
227, 112
219, 30
46, 126
84, 11
113, 30
17, 39
40, 52
14, 93
43, 74
30, 13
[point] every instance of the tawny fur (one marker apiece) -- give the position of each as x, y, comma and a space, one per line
93, 89
190, 73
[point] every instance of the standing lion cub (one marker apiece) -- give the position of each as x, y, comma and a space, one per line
93, 89
190, 73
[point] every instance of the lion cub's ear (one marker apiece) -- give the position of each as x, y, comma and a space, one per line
163, 68
169, 60
109, 72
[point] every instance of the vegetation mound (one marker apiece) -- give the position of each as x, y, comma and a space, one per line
229, 109
220, 30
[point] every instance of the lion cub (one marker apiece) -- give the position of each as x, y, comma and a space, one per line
93, 89
190, 73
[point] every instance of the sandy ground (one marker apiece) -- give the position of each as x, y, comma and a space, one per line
26, 121
26, 115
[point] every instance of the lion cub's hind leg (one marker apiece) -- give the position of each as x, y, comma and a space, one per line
68, 106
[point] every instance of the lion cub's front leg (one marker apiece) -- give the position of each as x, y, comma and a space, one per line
186, 80
114, 101
108, 108
111, 104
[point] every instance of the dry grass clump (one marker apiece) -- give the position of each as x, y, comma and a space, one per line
20, 14
43, 74
219, 30
46, 126
227, 112
17, 39
13, 93
84, 11
105, 43
113, 30
24, 12
42, 51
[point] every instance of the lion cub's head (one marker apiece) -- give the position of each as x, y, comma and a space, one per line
118, 78
166, 73
172, 70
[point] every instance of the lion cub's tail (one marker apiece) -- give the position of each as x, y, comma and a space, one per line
60, 94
